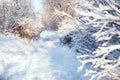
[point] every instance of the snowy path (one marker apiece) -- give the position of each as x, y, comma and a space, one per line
42, 60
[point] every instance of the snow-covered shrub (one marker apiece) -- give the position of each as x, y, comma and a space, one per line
82, 43
99, 45
12, 10
51, 18
27, 28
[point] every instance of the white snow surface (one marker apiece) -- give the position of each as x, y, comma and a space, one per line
44, 59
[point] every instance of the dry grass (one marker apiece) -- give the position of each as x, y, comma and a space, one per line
26, 29
50, 18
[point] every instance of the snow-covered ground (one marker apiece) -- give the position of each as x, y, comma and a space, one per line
44, 59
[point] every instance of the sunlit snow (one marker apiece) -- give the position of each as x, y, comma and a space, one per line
41, 60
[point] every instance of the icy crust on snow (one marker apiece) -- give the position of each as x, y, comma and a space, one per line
44, 59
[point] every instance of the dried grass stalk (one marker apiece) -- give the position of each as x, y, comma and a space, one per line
26, 29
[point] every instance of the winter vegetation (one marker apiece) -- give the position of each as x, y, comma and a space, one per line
60, 40
98, 43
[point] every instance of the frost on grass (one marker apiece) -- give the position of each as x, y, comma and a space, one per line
18, 17
27, 28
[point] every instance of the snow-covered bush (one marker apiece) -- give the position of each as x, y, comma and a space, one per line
52, 17
99, 43
12, 10
26, 28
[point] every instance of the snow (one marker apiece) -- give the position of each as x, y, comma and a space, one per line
94, 36
49, 35
38, 5
44, 59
